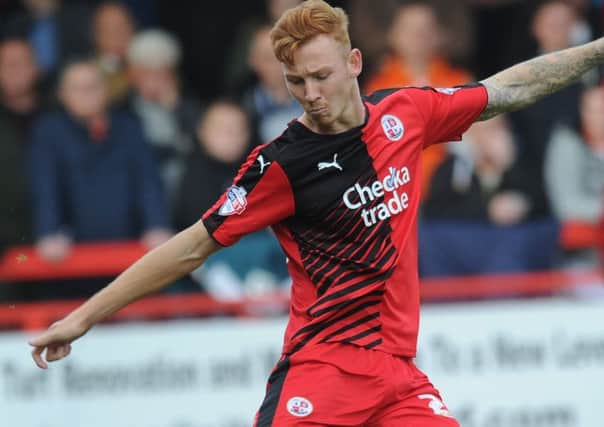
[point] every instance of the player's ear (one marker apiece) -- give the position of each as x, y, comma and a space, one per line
355, 62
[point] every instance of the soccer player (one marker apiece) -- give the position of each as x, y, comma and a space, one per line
340, 187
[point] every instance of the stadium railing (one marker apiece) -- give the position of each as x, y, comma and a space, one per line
109, 259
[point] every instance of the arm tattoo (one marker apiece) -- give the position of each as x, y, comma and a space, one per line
526, 83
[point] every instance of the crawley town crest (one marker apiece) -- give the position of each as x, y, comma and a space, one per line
299, 407
393, 127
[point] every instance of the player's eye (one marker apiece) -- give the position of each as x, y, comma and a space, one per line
323, 76
295, 81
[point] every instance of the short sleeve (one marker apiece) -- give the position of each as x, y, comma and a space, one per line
260, 196
449, 112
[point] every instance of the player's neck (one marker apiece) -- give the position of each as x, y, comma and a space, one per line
352, 116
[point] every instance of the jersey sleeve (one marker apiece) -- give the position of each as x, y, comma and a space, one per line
449, 112
260, 196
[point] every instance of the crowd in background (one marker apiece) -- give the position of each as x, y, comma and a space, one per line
127, 120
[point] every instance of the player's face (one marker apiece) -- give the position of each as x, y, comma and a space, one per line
323, 79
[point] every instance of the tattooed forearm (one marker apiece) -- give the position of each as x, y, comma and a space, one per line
527, 82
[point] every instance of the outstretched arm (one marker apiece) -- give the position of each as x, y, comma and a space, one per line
526, 83
160, 267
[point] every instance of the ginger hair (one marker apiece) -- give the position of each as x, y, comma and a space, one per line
304, 22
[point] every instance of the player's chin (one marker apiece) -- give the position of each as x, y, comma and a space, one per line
322, 119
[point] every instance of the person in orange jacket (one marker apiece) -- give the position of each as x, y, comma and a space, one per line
414, 39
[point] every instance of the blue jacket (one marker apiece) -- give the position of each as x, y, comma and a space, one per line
93, 190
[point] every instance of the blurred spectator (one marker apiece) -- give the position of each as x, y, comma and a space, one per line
167, 115
557, 25
478, 181
238, 72
553, 27
113, 29
20, 103
369, 27
255, 264
415, 40
224, 138
21, 96
56, 31
92, 173
574, 169
504, 35
458, 31
369, 31
269, 101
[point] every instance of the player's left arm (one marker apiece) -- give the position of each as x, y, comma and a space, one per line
524, 84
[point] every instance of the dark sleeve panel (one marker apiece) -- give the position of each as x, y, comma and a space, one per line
260, 196
377, 96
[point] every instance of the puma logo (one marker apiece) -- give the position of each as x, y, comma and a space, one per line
334, 164
263, 164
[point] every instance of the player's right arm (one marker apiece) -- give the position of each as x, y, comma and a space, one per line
178, 256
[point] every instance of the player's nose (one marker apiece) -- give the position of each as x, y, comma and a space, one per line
311, 92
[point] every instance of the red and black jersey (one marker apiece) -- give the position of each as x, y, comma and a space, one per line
344, 208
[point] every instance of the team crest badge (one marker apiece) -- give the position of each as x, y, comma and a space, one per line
393, 127
235, 202
299, 407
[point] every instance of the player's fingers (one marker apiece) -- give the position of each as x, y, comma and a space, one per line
42, 340
57, 352
64, 350
36, 354
52, 353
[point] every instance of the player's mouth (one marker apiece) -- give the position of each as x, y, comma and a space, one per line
319, 111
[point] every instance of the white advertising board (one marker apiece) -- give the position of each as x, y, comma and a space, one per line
507, 364
518, 364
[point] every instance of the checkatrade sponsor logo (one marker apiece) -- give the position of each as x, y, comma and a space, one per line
359, 197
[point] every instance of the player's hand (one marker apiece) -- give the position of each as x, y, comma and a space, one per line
56, 341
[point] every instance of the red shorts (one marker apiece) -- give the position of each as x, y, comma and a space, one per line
346, 385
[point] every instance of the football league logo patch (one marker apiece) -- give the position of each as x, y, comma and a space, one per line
299, 407
393, 127
235, 202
